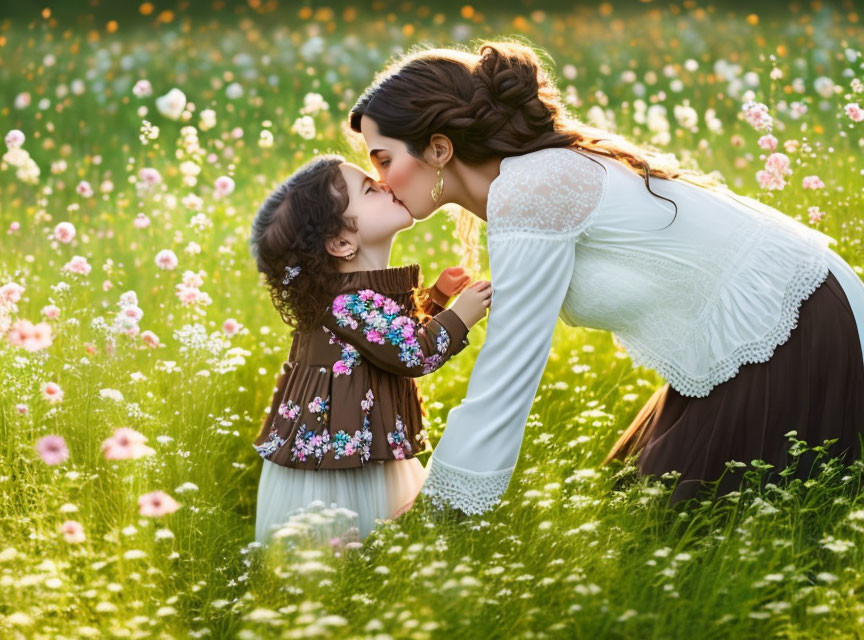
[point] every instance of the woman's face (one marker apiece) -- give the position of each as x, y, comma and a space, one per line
379, 215
409, 179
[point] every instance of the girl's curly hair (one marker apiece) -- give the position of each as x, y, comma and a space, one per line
290, 230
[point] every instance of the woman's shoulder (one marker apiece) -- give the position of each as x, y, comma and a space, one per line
547, 190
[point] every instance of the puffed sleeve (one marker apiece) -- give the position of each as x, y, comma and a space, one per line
391, 339
531, 262
432, 301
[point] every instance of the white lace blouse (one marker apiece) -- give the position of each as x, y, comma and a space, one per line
576, 235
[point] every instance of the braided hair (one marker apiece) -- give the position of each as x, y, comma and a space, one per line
501, 101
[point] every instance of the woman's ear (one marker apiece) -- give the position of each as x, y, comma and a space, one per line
439, 151
339, 246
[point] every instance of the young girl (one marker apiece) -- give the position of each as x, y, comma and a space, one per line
345, 422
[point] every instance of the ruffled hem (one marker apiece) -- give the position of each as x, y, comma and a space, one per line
748, 317
471, 492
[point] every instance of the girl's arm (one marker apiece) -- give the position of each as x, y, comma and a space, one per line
391, 339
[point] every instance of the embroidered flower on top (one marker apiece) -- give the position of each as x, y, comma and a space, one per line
398, 441
350, 356
289, 410
383, 323
309, 443
290, 274
269, 446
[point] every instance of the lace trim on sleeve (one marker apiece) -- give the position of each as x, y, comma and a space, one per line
471, 492
550, 191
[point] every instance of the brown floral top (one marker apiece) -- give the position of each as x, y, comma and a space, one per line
346, 394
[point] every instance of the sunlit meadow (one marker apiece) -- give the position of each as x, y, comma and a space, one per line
138, 349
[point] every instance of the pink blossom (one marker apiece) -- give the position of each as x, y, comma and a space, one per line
51, 311
141, 221
373, 336
230, 327
224, 186
770, 180
142, 89
52, 392
815, 214
192, 279
22, 408
791, 146
150, 339
855, 112
778, 162
166, 259
14, 226
64, 232
812, 182
10, 293
15, 138
150, 176
52, 449
72, 531
78, 264
156, 504
84, 189
768, 142
126, 444
757, 115
29, 336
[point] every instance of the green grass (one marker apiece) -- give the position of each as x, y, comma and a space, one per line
575, 550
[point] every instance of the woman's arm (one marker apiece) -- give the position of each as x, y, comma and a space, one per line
472, 463
537, 208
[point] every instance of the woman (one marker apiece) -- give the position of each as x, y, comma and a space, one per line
754, 322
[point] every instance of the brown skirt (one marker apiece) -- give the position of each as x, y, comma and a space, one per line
812, 384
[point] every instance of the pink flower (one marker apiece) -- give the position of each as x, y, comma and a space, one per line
192, 279
769, 142
64, 232
373, 336
150, 339
10, 293
15, 138
51, 311
230, 327
52, 392
150, 176
855, 112
142, 89
141, 221
72, 531
84, 189
78, 264
126, 444
812, 182
224, 186
778, 162
156, 504
52, 449
166, 259
29, 336
21, 408
815, 214
14, 226
791, 145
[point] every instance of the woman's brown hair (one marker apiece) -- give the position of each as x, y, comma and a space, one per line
290, 231
501, 101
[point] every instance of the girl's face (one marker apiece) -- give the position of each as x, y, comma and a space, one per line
379, 214
409, 179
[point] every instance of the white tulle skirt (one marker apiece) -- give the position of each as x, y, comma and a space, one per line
375, 490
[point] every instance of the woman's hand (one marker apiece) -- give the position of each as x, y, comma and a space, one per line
452, 280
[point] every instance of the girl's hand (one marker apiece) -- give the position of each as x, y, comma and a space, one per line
471, 305
452, 280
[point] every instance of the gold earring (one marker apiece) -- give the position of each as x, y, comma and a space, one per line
438, 188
